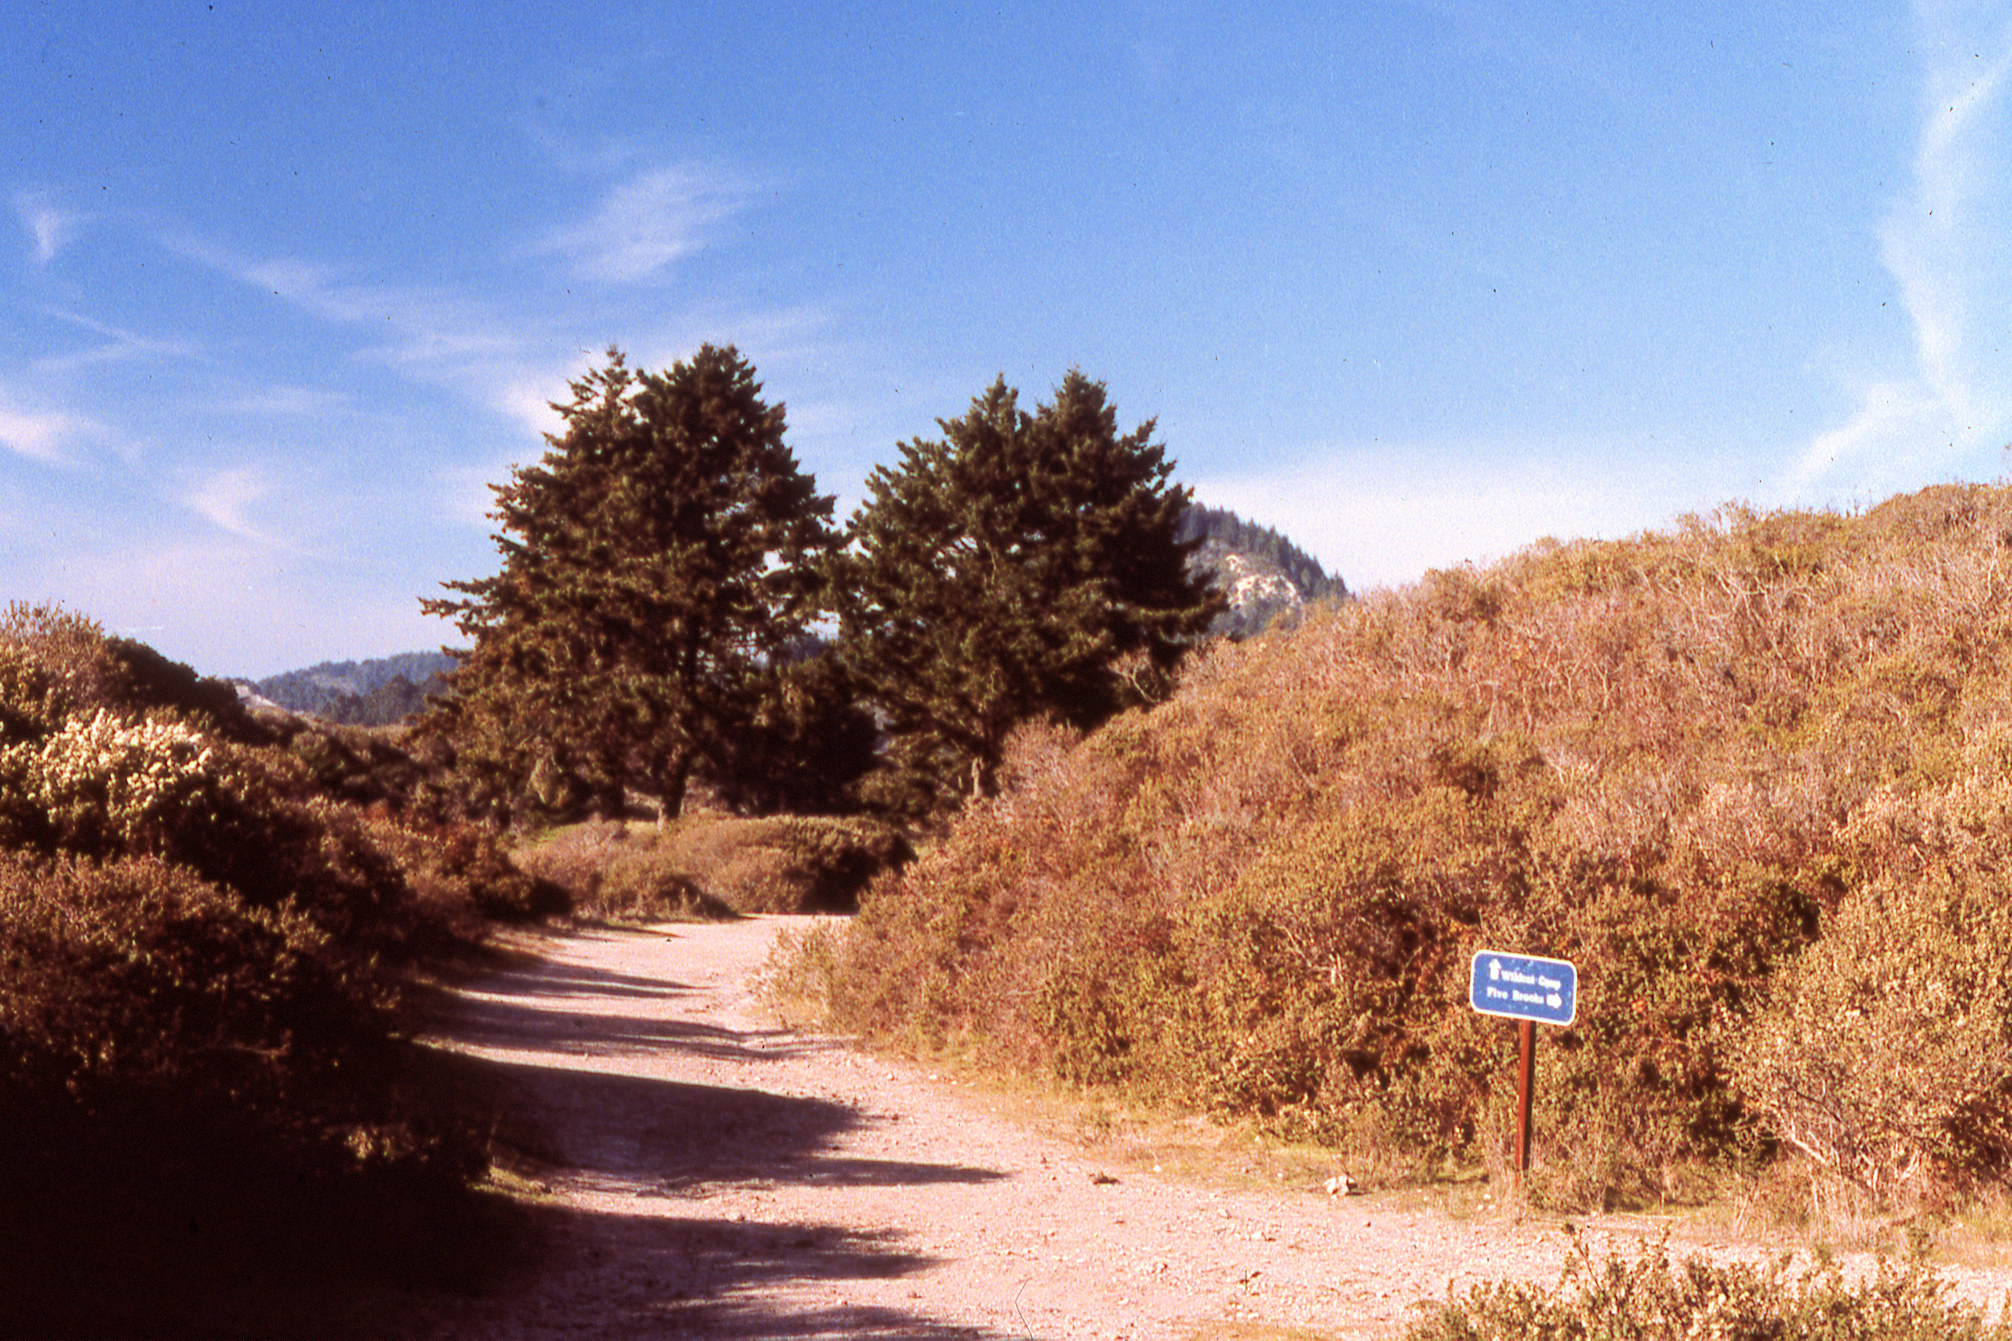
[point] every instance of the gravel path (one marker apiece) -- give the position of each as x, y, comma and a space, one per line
706, 1173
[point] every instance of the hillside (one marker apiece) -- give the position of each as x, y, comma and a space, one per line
358, 693
209, 1093
1753, 775
1268, 579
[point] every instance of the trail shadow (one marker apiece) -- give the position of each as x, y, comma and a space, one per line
580, 980
650, 1147
662, 1135
650, 1132
684, 1277
516, 1025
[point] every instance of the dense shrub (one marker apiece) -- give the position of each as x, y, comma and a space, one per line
200, 1016
1885, 1051
1675, 760
1652, 1299
454, 868
368, 765
134, 972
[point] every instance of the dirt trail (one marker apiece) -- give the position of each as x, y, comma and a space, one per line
709, 1174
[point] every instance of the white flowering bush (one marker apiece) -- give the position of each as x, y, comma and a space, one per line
109, 782
199, 999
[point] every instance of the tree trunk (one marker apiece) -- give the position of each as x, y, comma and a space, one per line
671, 793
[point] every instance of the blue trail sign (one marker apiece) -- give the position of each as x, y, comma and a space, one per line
1524, 988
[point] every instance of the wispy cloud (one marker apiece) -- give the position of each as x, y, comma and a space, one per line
288, 402
44, 435
118, 346
1939, 242
652, 220
225, 498
512, 350
416, 323
423, 325
431, 334
221, 603
529, 399
49, 226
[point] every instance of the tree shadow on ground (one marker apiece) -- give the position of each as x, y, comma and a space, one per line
648, 1146
498, 1025
676, 1276
581, 980
448, 1263
656, 1136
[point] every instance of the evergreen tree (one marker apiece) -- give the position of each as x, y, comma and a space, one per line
808, 748
654, 562
1020, 566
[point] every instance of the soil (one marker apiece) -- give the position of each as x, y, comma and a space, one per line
700, 1170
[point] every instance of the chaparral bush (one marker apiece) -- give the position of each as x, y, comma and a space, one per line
1680, 760
1885, 1051
202, 1056
609, 869
1651, 1298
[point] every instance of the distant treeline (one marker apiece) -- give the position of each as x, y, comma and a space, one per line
1233, 532
360, 693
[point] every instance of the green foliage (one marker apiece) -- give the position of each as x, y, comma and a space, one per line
656, 562
144, 676
1677, 760
1022, 566
807, 749
370, 766
1653, 1299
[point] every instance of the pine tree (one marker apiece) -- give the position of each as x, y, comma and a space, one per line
1021, 566
654, 563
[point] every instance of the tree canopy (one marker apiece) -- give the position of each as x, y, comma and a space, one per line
655, 563
1021, 566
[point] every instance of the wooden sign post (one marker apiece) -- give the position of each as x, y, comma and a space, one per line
1530, 991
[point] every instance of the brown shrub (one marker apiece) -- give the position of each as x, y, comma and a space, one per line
198, 1003
1885, 1051
1669, 758
1655, 1299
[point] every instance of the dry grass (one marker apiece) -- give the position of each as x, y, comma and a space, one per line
712, 865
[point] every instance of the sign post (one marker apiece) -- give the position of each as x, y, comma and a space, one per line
1530, 991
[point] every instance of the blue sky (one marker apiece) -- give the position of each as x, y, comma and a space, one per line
1417, 283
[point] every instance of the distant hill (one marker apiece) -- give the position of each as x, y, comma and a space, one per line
358, 693
1267, 578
